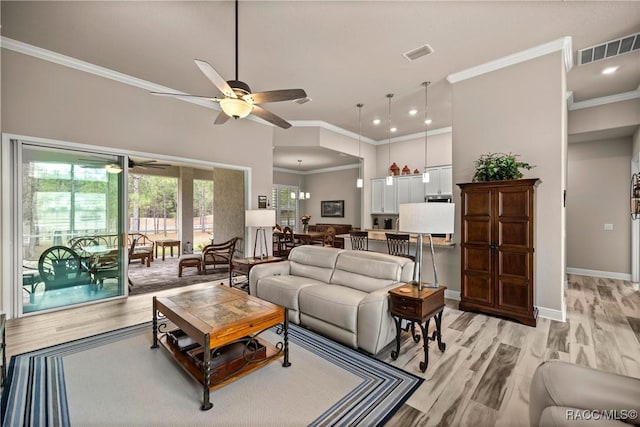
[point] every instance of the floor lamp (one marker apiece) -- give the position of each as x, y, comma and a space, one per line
260, 218
426, 218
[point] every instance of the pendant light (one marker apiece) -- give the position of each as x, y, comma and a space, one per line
389, 177
359, 182
425, 174
302, 194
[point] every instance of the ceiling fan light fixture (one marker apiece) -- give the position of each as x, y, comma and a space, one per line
236, 107
113, 168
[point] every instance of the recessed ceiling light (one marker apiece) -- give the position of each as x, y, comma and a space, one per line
428, 122
609, 70
393, 129
376, 121
413, 112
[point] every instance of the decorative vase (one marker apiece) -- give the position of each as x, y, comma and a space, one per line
305, 228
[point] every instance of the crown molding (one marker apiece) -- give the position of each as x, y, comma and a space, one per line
333, 128
595, 102
562, 44
316, 171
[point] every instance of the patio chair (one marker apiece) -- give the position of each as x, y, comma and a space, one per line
144, 253
398, 245
60, 267
104, 266
218, 254
359, 240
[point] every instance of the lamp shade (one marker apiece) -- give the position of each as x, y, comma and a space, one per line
427, 218
260, 218
235, 107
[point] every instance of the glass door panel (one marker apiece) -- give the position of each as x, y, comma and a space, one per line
72, 227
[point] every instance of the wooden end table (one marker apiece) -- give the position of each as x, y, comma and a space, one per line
407, 303
167, 243
242, 266
214, 318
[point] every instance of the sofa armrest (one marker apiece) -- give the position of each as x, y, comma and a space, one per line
566, 385
264, 270
375, 324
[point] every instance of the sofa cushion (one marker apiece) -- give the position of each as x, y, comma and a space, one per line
337, 305
284, 290
367, 271
315, 262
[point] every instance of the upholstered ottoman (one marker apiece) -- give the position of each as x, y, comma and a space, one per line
189, 260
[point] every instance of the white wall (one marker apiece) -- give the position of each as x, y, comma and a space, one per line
338, 185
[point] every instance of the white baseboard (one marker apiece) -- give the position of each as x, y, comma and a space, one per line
596, 273
552, 314
454, 295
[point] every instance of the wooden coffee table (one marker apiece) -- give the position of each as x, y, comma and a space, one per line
212, 321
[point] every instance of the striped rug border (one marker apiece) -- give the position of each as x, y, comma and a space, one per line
34, 392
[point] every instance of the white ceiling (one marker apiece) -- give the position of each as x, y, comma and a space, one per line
341, 53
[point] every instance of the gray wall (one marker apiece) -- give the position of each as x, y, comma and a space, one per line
489, 117
598, 194
338, 185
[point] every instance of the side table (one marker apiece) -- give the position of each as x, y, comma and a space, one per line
407, 303
167, 243
242, 266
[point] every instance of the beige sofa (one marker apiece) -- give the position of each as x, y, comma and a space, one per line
565, 394
339, 293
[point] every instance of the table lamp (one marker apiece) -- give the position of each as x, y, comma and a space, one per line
260, 218
426, 218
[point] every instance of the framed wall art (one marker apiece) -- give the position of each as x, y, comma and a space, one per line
332, 208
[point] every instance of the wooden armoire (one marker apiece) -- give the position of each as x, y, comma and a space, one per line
497, 250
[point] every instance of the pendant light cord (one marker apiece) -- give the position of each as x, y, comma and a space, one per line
389, 95
426, 85
359, 139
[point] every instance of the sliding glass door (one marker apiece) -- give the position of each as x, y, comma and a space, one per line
70, 226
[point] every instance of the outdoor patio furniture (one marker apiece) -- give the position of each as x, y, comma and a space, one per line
144, 253
60, 267
218, 254
189, 260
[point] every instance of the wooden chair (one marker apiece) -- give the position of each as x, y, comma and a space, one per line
329, 238
143, 243
144, 254
60, 267
359, 240
218, 253
398, 244
288, 241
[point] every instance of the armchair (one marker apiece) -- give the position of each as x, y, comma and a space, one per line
218, 254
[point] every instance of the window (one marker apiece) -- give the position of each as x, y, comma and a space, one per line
153, 204
202, 213
285, 205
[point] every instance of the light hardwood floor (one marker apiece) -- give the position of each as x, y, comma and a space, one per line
483, 377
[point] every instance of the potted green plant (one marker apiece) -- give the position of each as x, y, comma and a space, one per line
499, 167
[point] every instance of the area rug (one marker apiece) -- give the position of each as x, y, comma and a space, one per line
116, 379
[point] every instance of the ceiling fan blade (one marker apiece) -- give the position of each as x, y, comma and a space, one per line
270, 117
180, 95
215, 78
221, 119
275, 96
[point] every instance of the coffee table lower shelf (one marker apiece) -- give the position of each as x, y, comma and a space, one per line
272, 353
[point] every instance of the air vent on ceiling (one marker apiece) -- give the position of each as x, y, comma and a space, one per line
609, 49
418, 52
302, 100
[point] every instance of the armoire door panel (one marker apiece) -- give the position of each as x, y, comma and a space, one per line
478, 288
514, 264
513, 295
513, 202
477, 230
478, 203
477, 260
514, 233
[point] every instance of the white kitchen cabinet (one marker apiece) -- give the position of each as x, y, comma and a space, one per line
383, 197
440, 181
411, 189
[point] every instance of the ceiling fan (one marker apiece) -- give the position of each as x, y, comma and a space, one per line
239, 101
147, 164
